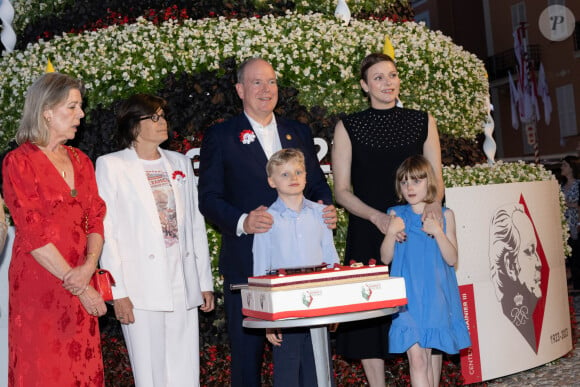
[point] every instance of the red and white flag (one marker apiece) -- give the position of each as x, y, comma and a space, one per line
528, 107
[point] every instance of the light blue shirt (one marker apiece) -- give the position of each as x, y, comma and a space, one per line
296, 239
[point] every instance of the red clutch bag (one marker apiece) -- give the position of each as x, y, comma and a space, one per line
102, 281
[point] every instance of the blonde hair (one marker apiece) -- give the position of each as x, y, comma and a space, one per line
46, 92
284, 156
417, 167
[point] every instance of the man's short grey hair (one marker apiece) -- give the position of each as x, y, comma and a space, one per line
245, 63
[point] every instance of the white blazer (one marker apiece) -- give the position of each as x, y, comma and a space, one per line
134, 250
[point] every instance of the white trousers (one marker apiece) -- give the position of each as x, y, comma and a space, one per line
164, 346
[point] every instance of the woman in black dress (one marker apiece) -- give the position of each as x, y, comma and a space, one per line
368, 147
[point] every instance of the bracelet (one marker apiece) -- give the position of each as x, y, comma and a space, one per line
84, 290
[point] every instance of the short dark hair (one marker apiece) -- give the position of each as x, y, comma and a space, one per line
129, 116
371, 60
574, 163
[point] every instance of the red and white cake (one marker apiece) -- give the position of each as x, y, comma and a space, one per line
335, 290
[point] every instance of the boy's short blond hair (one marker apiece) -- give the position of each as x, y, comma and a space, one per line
284, 156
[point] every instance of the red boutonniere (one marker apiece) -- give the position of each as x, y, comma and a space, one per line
179, 176
247, 136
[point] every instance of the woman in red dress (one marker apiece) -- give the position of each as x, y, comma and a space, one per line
51, 192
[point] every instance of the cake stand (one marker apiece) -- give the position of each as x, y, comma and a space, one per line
319, 334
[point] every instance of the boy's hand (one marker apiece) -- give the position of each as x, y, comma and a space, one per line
274, 336
333, 327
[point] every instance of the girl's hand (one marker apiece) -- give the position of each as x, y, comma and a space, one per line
77, 278
432, 226
92, 302
274, 336
396, 227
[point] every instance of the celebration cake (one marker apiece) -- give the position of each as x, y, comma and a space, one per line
340, 289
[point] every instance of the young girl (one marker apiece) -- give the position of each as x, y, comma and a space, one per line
424, 253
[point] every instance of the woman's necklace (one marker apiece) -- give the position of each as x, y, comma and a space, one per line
60, 163
73, 191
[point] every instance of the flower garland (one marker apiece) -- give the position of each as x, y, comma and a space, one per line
27, 11
314, 53
355, 6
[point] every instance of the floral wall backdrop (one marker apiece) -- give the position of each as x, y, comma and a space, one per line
187, 52
314, 53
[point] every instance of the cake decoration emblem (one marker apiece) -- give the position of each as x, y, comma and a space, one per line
366, 292
307, 299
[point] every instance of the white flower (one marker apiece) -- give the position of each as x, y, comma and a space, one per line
453, 90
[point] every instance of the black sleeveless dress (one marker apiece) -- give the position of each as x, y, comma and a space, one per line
381, 140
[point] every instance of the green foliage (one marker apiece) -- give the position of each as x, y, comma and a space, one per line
313, 53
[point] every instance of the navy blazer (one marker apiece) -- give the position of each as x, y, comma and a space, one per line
233, 181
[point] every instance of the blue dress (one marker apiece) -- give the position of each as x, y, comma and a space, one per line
433, 317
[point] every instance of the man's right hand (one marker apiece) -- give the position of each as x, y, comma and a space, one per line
258, 221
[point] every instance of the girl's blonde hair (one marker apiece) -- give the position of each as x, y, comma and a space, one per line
417, 167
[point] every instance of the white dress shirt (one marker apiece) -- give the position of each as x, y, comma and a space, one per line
270, 141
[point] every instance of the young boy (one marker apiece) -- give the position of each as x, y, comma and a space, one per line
299, 237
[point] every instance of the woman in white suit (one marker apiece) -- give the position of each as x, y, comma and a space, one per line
156, 247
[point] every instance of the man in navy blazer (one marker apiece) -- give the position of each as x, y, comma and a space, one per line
234, 195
